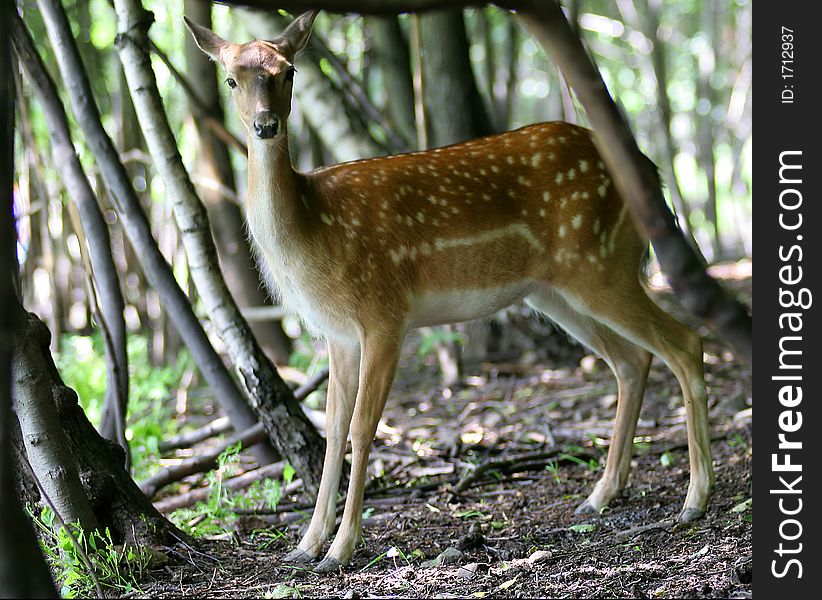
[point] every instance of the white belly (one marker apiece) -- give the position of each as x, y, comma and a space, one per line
436, 308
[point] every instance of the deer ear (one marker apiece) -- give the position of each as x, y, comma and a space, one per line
295, 36
208, 41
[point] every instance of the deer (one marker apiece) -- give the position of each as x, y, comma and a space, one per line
365, 251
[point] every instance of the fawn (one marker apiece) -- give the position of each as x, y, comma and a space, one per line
366, 250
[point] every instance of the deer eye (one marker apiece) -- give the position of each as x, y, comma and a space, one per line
289, 74
231, 83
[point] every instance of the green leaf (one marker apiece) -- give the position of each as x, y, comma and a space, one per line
583, 528
288, 473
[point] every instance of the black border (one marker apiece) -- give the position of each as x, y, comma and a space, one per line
786, 127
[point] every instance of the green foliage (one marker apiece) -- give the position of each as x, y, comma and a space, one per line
81, 363
117, 568
434, 336
283, 590
553, 468
304, 355
217, 514
582, 528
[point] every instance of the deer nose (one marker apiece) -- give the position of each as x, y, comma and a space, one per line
266, 124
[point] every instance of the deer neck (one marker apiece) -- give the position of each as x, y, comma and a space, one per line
274, 205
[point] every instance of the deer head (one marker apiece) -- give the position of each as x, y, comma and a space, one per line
260, 74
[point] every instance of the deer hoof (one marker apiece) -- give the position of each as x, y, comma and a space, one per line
298, 556
690, 514
586, 508
328, 565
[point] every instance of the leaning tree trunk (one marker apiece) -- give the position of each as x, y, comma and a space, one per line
215, 179
23, 571
292, 433
637, 182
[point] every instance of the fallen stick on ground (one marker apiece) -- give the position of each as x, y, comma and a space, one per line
531, 461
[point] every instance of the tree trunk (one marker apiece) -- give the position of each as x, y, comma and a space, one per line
638, 183
112, 305
45, 443
706, 65
394, 60
451, 96
23, 571
213, 165
116, 501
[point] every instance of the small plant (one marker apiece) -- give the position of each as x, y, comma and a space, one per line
738, 441
582, 528
216, 514
283, 590
553, 468
571, 455
115, 568
666, 459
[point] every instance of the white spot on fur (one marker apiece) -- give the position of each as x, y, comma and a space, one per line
576, 221
583, 166
562, 231
558, 179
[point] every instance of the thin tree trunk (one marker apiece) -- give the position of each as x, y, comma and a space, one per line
23, 571
292, 433
647, 20
212, 163
136, 225
451, 95
394, 60
706, 65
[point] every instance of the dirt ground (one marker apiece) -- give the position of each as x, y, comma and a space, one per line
512, 531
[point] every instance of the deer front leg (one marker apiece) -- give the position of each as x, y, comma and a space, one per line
344, 366
377, 368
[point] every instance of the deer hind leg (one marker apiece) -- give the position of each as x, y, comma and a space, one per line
629, 311
377, 368
344, 366
630, 365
